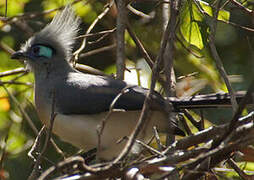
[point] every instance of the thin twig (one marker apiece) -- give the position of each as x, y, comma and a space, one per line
188, 49
169, 53
83, 45
138, 13
224, 4
98, 40
13, 72
143, 52
36, 145
97, 33
120, 31
157, 139
6, 48
34, 173
30, 122
17, 83
185, 125
171, 10
149, 148
69, 162
102, 125
217, 58
191, 119
89, 69
241, 173
240, 6
3, 152
99, 50
238, 26
140, 46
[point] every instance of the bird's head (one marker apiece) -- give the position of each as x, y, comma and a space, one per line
52, 45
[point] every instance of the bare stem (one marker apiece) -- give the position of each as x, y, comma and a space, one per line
120, 30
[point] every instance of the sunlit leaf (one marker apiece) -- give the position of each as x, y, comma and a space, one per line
14, 7
223, 14
193, 24
4, 121
86, 12
110, 69
16, 139
191, 33
129, 40
190, 28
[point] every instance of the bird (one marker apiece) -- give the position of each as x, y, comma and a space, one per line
83, 100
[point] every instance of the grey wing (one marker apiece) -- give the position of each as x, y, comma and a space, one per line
89, 94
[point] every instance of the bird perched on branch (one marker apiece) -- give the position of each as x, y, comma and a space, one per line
82, 100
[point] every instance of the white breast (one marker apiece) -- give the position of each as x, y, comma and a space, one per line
81, 130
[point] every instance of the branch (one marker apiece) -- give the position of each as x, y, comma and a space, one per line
217, 59
83, 45
13, 72
35, 171
99, 50
120, 30
240, 6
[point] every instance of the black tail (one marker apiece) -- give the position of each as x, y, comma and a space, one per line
206, 101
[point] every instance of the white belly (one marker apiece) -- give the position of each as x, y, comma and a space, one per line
81, 130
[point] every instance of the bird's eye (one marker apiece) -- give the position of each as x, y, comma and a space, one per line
40, 50
36, 50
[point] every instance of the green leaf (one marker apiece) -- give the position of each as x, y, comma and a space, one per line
193, 25
16, 139
191, 33
86, 12
189, 27
14, 7
223, 14
129, 40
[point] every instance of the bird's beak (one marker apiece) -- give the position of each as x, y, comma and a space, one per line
18, 55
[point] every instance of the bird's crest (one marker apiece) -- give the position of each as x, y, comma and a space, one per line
61, 32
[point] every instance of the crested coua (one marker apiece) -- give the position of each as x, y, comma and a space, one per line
83, 100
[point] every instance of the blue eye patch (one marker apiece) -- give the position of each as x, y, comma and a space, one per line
45, 51
42, 51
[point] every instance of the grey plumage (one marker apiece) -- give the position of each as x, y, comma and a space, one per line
82, 100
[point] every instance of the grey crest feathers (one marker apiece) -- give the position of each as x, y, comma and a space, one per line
61, 32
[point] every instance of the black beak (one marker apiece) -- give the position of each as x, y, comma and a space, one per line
18, 55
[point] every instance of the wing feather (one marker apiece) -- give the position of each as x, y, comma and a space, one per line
89, 94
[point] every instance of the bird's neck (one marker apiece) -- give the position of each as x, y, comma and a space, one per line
47, 78
50, 71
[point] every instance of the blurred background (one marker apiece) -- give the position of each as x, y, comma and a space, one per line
194, 66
